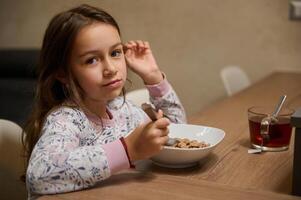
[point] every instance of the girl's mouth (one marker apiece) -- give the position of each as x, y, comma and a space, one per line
114, 83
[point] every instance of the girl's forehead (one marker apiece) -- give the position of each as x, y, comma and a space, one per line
96, 36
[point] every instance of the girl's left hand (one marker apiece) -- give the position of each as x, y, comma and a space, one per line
140, 60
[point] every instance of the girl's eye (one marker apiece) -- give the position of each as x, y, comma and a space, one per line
91, 61
116, 53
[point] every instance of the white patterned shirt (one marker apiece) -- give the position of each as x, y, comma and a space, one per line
77, 150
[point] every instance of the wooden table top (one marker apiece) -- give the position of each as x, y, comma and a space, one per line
234, 166
134, 185
230, 171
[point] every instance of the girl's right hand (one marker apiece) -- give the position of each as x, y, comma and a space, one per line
147, 139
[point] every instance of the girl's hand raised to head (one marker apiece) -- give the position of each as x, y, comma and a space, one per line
148, 139
140, 60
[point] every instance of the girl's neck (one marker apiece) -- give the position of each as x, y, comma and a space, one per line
97, 108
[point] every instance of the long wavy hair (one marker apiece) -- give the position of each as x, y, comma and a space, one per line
54, 60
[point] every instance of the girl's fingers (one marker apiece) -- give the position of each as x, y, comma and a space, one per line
163, 140
127, 51
129, 48
164, 132
162, 123
138, 45
131, 45
127, 45
146, 44
159, 114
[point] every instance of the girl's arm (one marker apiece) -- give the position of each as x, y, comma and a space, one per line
165, 98
65, 158
140, 60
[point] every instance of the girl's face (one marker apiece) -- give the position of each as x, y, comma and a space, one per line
97, 62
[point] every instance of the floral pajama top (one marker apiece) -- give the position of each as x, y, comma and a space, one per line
77, 150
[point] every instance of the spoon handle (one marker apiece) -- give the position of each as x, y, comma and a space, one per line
279, 105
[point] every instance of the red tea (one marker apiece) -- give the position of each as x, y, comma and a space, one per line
279, 133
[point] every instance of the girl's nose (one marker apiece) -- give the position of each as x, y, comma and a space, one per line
109, 69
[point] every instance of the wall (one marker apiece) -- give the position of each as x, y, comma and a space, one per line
192, 39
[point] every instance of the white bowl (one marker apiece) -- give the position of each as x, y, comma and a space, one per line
174, 157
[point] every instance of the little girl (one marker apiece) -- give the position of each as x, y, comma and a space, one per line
81, 130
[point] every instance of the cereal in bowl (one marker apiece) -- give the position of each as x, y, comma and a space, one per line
186, 143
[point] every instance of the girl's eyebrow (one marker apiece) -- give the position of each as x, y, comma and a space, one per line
96, 50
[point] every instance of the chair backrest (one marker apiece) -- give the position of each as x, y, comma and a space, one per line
234, 79
138, 96
11, 161
17, 83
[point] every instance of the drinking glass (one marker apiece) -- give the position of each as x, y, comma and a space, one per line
279, 129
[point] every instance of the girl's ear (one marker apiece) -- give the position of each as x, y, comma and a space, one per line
61, 76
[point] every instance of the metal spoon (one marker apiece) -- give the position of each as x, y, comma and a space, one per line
152, 114
265, 125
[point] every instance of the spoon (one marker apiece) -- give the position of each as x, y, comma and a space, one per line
152, 114
265, 125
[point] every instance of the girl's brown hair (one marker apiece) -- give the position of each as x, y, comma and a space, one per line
54, 60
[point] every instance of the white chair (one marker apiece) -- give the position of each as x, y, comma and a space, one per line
11, 161
138, 96
234, 79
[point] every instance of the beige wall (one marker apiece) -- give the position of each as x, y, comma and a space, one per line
191, 39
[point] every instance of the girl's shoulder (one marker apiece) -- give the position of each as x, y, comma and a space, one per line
67, 112
70, 120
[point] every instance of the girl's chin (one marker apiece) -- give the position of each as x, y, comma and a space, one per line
114, 94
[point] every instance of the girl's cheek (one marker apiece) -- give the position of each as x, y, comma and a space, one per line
123, 67
123, 72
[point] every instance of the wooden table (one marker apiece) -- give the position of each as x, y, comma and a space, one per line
230, 172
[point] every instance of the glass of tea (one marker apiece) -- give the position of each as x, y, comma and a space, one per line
279, 130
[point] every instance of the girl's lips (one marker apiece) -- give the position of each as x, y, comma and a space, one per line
114, 83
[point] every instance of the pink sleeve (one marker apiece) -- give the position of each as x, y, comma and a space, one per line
160, 89
116, 156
